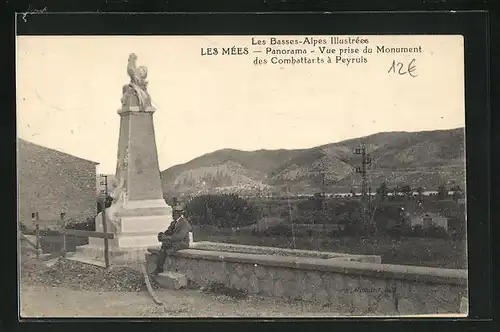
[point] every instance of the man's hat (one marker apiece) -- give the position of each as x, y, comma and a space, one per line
179, 208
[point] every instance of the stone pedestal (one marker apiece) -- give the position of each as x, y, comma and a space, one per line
138, 211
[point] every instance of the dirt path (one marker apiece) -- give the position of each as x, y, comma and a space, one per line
71, 289
43, 301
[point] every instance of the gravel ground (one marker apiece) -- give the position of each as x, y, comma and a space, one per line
85, 277
79, 276
41, 301
72, 289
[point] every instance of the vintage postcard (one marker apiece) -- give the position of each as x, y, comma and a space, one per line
241, 176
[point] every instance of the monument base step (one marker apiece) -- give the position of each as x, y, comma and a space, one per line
171, 280
126, 241
78, 257
117, 256
52, 262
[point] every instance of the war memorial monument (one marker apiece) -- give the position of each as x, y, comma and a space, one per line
138, 211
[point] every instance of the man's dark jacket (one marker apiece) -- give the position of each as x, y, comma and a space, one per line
176, 237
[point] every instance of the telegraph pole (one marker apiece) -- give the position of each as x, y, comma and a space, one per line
323, 201
366, 162
290, 210
369, 198
323, 192
104, 223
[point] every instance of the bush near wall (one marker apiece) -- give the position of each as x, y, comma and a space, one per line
224, 211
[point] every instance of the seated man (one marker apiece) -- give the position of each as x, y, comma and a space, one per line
175, 238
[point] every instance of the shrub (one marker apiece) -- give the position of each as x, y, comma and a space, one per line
280, 230
398, 230
225, 210
245, 231
432, 231
353, 229
417, 231
457, 227
306, 205
436, 232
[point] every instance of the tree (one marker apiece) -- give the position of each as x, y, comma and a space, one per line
457, 192
420, 192
226, 210
396, 190
442, 191
319, 200
382, 191
406, 190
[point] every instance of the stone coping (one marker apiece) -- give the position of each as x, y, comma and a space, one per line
247, 249
381, 271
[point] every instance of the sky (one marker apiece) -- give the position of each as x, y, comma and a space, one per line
69, 90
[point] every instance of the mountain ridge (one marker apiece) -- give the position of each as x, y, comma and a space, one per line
421, 159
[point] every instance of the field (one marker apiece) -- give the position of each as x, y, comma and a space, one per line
432, 252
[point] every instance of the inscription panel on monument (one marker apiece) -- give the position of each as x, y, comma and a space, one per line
144, 177
121, 164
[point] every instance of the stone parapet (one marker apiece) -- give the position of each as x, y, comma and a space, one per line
246, 249
403, 272
360, 288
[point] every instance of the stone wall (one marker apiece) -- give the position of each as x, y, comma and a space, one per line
51, 182
262, 250
355, 288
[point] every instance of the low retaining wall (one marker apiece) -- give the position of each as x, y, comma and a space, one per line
354, 288
245, 249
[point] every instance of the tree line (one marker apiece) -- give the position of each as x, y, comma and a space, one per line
232, 210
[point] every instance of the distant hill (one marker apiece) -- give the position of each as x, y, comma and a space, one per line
420, 159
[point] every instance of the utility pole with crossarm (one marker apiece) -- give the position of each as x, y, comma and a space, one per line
366, 162
104, 183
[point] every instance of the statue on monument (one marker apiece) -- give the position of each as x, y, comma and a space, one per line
137, 88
